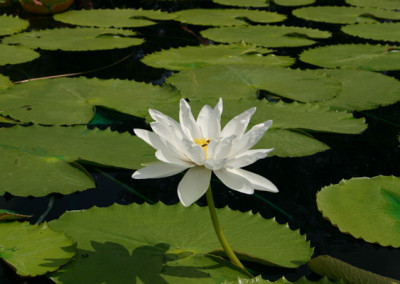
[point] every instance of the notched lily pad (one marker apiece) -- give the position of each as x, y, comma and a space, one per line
240, 3
10, 54
384, 4
10, 25
376, 31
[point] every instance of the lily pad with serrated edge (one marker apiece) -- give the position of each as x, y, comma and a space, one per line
33, 250
10, 54
268, 36
76, 39
199, 56
8, 215
283, 280
10, 25
373, 205
384, 4
226, 17
344, 15
129, 235
376, 31
292, 3
354, 56
240, 3
334, 268
118, 18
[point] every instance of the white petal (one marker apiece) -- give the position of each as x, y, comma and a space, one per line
168, 137
166, 122
214, 165
193, 185
194, 152
188, 124
223, 148
209, 120
238, 124
247, 158
258, 182
168, 157
149, 137
234, 181
158, 170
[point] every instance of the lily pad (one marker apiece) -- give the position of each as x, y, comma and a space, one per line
375, 31
8, 215
34, 250
226, 17
107, 18
10, 25
199, 56
345, 15
268, 36
240, 3
10, 54
373, 205
293, 2
283, 280
4, 82
77, 39
354, 56
165, 240
384, 4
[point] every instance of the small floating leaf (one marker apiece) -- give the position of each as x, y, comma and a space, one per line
10, 25
376, 31
384, 4
293, 2
240, 3
226, 17
10, 54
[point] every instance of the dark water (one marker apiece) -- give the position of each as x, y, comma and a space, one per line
374, 152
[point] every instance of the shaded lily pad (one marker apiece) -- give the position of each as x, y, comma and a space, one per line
132, 234
376, 31
283, 280
268, 36
10, 54
336, 269
354, 56
4, 82
344, 15
77, 39
293, 2
373, 205
10, 25
199, 56
107, 18
226, 17
34, 250
7, 215
240, 3
385, 4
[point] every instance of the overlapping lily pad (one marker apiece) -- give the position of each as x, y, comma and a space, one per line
240, 3
34, 250
377, 31
373, 205
268, 36
199, 56
118, 18
4, 82
163, 240
10, 54
77, 39
10, 25
354, 56
385, 4
283, 280
293, 2
344, 15
8, 215
226, 17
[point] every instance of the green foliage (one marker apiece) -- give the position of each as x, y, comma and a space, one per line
34, 250
240, 3
372, 203
376, 31
8, 215
107, 18
293, 2
78, 39
282, 280
385, 4
10, 54
10, 25
4, 82
268, 36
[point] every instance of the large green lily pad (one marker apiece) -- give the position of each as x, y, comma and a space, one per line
226, 17
385, 4
291, 3
373, 205
354, 56
10, 54
165, 240
376, 31
10, 25
344, 15
240, 3
268, 36
199, 56
107, 18
34, 250
77, 39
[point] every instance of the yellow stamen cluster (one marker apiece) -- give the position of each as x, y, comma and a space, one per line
203, 142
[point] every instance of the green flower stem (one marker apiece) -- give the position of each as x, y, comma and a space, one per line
228, 251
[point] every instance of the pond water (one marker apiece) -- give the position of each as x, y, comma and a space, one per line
371, 153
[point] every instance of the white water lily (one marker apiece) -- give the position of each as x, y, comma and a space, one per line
202, 147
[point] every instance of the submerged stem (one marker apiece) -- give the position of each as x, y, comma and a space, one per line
228, 251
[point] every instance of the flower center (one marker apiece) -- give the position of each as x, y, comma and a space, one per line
203, 142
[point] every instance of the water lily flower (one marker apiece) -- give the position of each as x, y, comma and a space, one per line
202, 147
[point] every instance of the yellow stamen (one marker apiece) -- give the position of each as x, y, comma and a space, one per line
203, 142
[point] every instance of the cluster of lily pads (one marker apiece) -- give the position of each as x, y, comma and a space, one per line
158, 243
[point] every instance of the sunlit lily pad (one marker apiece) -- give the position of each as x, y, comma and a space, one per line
283, 280
385, 4
366, 208
34, 250
241, 3
268, 36
107, 18
7, 215
10, 25
344, 15
77, 39
199, 56
293, 2
354, 56
4, 82
166, 240
377, 31
226, 17
10, 54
